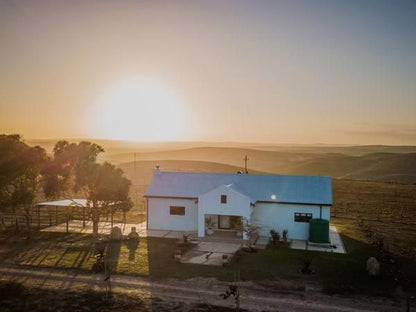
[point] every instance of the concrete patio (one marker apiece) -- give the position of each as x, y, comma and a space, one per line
211, 253
335, 242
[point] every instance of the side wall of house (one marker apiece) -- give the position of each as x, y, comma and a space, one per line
282, 216
159, 217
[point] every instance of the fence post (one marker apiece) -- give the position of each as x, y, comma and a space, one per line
83, 217
38, 218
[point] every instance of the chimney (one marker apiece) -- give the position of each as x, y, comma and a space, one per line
156, 170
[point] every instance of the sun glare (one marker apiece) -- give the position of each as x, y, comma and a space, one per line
140, 110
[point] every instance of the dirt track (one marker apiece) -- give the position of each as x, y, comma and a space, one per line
267, 296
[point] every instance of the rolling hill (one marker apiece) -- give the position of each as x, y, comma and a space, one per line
366, 162
385, 167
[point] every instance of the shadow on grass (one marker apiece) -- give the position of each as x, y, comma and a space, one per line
113, 255
132, 245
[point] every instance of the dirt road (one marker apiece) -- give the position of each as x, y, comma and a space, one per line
259, 296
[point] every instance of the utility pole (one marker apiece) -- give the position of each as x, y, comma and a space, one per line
135, 182
134, 177
245, 164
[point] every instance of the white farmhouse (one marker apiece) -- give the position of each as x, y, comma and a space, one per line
183, 200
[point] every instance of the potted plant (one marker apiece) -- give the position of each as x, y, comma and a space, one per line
209, 223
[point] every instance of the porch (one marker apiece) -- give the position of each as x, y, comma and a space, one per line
218, 235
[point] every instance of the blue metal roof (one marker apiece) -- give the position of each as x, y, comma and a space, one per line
268, 188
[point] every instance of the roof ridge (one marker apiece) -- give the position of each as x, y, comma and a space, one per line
249, 174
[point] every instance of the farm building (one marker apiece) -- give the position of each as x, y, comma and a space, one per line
184, 201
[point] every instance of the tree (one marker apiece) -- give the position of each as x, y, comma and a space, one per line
67, 164
251, 232
103, 185
105, 188
20, 168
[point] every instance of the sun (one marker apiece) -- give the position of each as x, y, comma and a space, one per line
140, 109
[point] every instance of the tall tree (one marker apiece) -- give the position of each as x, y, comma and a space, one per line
67, 164
103, 185
106, 189
20, 168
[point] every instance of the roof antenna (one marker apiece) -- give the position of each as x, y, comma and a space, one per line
245, 164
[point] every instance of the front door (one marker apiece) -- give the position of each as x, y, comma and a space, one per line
224, 222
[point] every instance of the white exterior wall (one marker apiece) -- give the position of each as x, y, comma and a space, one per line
282, 216
159, 217
210, 204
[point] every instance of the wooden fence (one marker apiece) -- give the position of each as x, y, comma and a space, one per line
42, 217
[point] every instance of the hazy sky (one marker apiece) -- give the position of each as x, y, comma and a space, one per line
252, 71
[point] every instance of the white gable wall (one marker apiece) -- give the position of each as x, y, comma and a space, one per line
210, 204
159, 217
282, 216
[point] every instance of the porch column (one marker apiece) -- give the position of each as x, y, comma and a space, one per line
246, 216
201, 220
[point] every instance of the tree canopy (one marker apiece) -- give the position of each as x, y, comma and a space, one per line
20, 169
73, 169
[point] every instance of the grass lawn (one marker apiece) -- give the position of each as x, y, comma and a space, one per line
154, 257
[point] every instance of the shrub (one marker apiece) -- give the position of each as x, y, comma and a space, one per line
275, 236
306, 266
284, 233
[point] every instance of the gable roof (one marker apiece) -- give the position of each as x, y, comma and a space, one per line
233, 187
266, 188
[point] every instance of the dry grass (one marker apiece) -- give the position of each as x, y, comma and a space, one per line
387, 208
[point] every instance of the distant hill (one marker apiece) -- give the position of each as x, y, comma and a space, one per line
386, 167
353, 150
129, 147
383, 167
362, 162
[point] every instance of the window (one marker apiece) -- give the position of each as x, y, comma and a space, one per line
302, 217
177, 210
223, 199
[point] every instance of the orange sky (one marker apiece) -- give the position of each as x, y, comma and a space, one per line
266, 71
